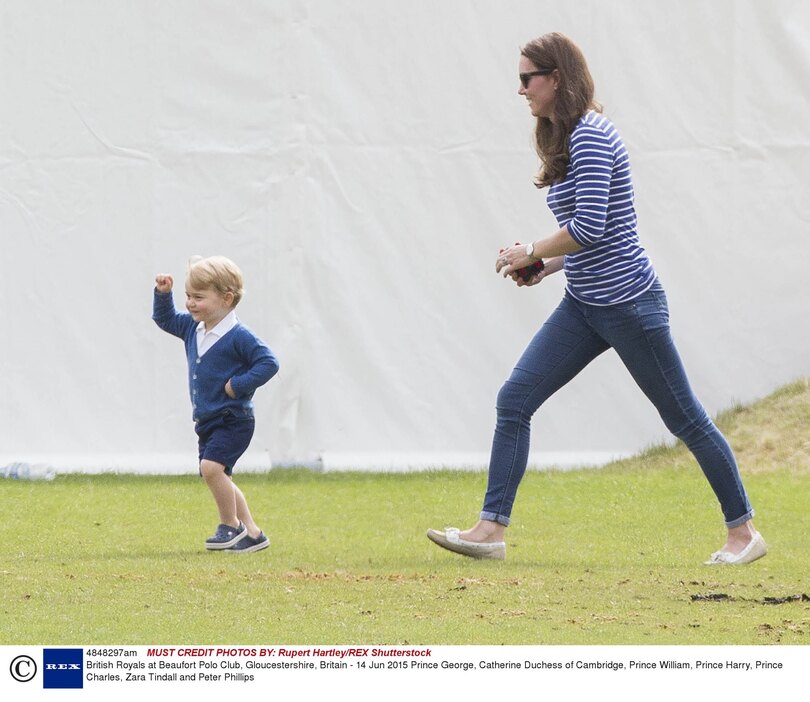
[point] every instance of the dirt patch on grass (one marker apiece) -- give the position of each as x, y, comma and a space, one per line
344, 576
724, 597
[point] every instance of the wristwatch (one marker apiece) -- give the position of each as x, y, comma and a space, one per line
530, 249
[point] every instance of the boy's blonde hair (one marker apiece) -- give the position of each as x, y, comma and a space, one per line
215, 273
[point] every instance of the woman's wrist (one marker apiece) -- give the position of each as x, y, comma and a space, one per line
553, 265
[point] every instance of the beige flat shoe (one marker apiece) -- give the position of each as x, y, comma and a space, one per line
449, 539
757, 548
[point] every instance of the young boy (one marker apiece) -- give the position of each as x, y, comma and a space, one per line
226, 363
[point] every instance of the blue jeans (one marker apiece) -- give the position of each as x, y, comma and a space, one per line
573, 336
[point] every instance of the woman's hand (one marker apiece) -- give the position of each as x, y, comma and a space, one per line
533, 279
552, 251
229, 390
550, 266
511, 260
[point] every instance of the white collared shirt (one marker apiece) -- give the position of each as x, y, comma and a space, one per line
205, 340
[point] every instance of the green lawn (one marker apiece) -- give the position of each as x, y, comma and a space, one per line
610, 556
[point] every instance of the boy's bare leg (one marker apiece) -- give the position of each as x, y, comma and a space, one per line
243, 513
222, 488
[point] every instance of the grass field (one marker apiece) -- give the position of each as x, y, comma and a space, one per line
610, 556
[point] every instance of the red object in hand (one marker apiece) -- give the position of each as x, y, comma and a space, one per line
529, 271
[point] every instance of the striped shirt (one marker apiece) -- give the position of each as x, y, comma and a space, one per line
595, 203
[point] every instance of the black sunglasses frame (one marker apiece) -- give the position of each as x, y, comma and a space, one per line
526, 77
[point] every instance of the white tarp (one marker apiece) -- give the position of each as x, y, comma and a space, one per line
363, 161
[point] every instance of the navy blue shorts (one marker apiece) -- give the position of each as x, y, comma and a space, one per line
224, 438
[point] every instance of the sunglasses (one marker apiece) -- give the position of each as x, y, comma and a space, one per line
526, 77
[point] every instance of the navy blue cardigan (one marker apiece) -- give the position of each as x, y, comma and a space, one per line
239, 356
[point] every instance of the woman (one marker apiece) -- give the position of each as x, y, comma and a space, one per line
613, 300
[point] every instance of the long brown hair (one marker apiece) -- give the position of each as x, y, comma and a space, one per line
574, 97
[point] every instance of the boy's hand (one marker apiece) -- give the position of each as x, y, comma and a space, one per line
164, 283
229, 390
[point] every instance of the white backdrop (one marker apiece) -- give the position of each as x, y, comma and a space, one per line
363, 161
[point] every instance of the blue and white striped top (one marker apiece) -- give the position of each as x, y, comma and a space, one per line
595, 203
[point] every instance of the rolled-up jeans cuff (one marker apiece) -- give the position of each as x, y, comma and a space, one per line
492, 517
747, 517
